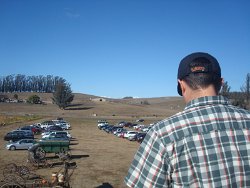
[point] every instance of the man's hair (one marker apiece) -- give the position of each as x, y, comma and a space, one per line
201, 81
199, 70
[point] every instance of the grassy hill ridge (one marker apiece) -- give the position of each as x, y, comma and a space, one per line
85, 105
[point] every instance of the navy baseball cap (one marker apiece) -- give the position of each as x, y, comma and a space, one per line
197, 62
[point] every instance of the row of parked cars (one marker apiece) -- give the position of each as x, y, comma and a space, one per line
58, 122
124, 130
23, 137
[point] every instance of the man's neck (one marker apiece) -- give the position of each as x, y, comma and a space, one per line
194, 94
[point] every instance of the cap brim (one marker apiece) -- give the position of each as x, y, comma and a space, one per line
179, 89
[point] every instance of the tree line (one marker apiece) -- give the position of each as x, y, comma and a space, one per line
23, 83
62, 93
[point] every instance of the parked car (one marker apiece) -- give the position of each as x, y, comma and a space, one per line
131, 125
108, 128
18, 135
66, 124
114, 128
30, 128
21, 144
102, 124
38, 129
140, 120
102, 121
138, 127
121, 134
61, 123
53, 128
104, 127
130, 133
26, 131
46, 124
146, 129
128, 124
121, 123
119, 130
48, 134
140, 136
55, 138
133, 136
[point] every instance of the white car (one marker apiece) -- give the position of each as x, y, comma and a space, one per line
62, 123
49, 134
66, 124
100, 125
130, 133
46, 124
139, 127
146, 129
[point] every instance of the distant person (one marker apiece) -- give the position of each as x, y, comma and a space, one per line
206, 145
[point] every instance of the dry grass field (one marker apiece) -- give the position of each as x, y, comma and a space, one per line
102, 159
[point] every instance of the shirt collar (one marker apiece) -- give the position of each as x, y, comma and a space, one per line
208, 100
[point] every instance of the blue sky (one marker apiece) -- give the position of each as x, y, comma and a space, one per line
119, 48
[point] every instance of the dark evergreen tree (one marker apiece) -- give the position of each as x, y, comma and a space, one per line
62, 96
16, 96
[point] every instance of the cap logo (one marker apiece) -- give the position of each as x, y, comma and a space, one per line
198, 69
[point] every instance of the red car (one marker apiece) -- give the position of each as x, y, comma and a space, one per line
33, 128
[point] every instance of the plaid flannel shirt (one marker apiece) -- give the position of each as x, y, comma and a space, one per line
206, 145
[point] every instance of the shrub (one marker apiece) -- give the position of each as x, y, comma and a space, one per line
34, 99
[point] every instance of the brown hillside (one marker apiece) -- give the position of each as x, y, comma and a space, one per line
85, 105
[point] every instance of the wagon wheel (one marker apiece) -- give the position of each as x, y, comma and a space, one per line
14, 179
40, 153
31, 164
68, 171
44, 163
9, 169
23, 170
31, 161
11, 185
64, 155
35, 163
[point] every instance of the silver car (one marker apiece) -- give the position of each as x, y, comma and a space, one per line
21, 144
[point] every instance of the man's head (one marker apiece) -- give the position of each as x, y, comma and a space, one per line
199, 71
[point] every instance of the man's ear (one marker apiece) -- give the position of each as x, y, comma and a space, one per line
182, 86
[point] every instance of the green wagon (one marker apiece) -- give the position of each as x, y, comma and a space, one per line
54, 146
58, 147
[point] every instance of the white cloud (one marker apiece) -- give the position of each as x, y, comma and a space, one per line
71, 13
